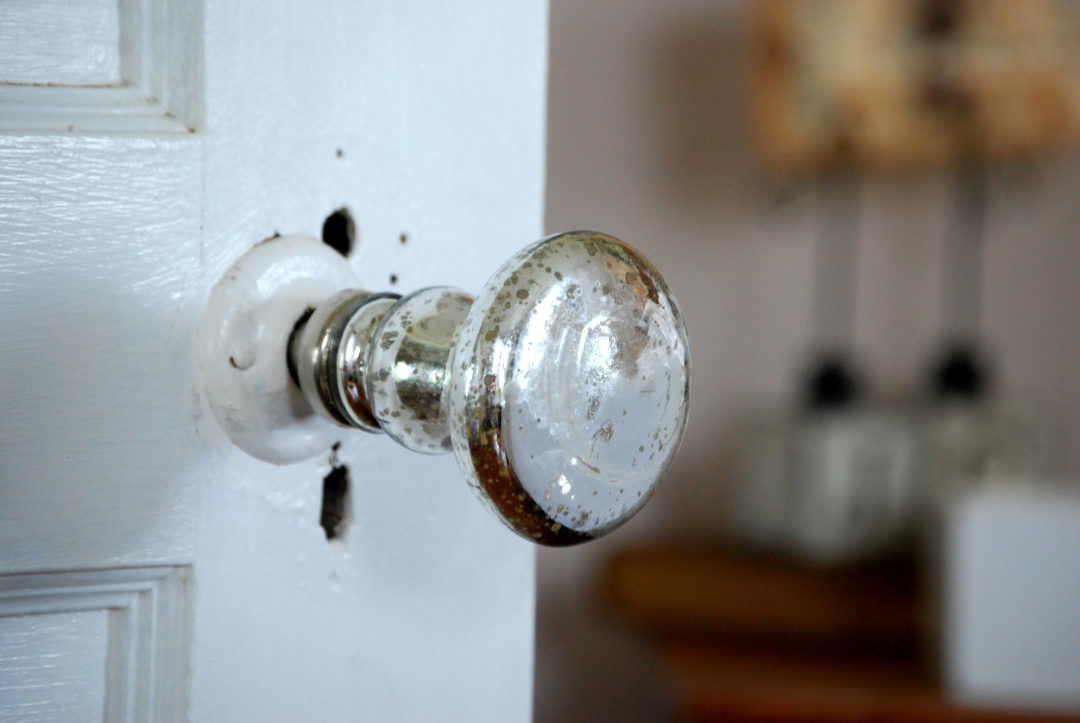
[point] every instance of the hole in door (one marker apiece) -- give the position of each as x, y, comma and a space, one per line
339, 231
333, 517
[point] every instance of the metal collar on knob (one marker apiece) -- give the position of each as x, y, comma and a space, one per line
326, 353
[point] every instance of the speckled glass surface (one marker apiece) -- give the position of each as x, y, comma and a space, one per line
408, 357
569, 390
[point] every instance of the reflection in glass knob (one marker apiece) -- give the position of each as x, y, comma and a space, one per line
562, 388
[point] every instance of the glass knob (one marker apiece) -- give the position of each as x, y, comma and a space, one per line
562, 388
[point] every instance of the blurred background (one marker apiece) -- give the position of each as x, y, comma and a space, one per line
869, 211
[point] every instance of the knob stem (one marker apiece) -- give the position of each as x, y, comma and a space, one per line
379, 362
408, 359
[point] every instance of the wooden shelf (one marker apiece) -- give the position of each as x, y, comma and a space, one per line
752, 639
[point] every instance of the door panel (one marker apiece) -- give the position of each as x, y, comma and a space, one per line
426, 121
77, 645
99, 259
60, 42
53, 666
94, 66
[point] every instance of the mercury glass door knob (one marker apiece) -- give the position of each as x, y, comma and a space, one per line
562, 387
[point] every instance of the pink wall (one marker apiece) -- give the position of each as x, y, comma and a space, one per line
647, 140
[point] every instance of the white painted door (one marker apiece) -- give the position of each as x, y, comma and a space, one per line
148, 569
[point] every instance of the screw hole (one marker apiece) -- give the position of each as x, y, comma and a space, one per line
393, 279
403, 238
339, 231
333, 517
339, 153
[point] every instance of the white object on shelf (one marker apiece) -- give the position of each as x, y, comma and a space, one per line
1009, 596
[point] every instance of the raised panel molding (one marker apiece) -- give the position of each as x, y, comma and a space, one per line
147, 660
161, 85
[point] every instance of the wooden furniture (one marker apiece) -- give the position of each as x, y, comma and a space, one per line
754, 639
